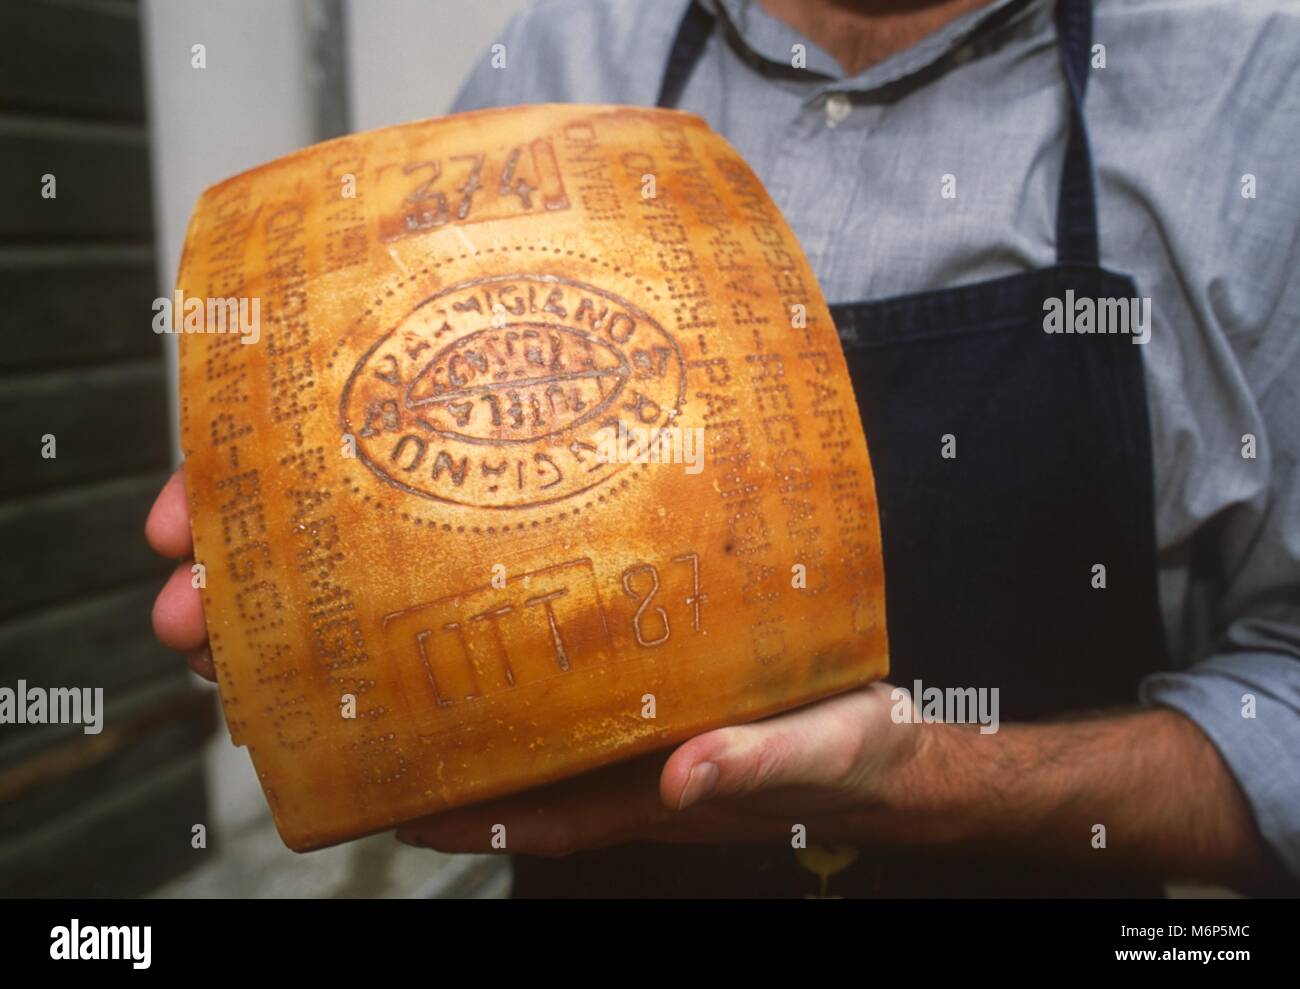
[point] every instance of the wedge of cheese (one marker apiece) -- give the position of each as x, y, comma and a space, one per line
517, 443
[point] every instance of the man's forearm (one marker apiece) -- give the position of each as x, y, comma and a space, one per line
1151, 779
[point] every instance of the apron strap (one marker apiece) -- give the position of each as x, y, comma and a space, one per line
692, 35
1076, 209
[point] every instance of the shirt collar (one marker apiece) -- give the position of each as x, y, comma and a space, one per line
766, 43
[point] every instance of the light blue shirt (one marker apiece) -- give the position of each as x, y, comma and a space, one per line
1195, 127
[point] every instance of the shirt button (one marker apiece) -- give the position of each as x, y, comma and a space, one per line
838, 108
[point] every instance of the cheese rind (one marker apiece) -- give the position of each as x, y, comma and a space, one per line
531, 449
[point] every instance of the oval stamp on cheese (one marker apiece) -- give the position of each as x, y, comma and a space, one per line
493, 392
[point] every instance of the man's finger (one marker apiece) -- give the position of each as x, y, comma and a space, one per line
178, 613
168, 526
200, 661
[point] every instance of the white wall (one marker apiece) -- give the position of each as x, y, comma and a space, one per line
407, 58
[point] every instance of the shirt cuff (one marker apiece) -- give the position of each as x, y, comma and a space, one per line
1263, 751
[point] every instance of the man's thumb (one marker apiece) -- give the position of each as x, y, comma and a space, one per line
813, 747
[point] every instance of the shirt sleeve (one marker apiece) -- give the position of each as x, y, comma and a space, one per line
1242, 683
1248, 704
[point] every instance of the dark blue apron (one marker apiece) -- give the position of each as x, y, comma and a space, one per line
989, 555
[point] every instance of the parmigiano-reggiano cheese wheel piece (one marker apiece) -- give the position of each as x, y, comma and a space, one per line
531, 448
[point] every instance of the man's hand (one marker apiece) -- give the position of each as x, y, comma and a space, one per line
178, 609
1164, 801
